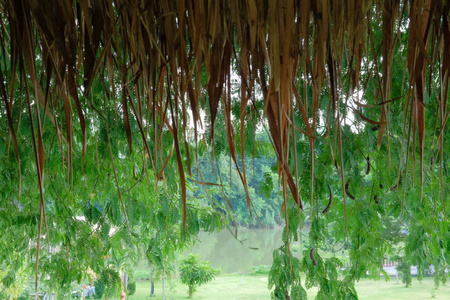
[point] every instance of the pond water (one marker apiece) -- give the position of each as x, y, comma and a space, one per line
253, 247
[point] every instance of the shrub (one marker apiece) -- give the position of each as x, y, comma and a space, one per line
99, 288
143, 275
261, 269
24, 296
195, 272
131, 288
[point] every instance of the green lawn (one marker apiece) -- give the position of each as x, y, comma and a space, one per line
371, 290
255, 287
223, 287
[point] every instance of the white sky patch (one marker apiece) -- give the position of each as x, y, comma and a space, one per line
256, 95
350, 120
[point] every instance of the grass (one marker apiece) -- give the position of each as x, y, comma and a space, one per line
371, 290
223, 287
255, 287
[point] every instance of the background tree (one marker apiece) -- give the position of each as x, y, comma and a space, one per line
228, 193
195, 272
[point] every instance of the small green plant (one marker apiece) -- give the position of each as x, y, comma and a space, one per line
195, 272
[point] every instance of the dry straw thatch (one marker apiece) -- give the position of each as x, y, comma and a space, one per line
162, 50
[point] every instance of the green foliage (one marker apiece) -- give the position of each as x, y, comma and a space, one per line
108, 284
143, 275
13, 283
261, 184
440, 276
110, 200
24, 296
100, 288
131, 288
261, 269
404, 269
419, 273
266, 185
195, 272
284, 275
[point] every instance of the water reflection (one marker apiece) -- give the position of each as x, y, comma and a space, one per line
224, 251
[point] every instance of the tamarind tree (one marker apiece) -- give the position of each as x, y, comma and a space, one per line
106, 107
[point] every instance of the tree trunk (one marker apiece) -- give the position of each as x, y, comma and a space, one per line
152, 289
122, 292
163, 287
191, 288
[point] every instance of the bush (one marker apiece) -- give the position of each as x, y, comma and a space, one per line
143, 275
99, 288
195, 272
131, 288
259, 270
24, 296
